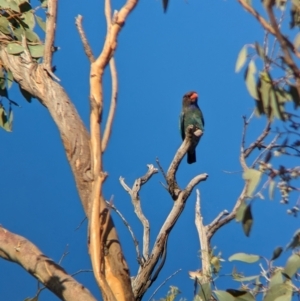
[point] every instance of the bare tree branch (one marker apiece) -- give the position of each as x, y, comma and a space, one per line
284, 43
86, 46
224, 217
163, 283
74, 135
258, 141
136, 202
259, 18
50, 36
147, 275
181, 152
18, 249
213, 227
204, 242
113, 104
111, 271
266, 25
135, 241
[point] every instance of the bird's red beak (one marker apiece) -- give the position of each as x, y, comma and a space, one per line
194, 96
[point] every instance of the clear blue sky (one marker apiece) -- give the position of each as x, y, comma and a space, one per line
159, 58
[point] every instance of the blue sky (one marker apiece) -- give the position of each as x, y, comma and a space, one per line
159, 58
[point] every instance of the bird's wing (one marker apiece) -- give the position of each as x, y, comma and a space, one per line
198, 119
181, 125
202, 118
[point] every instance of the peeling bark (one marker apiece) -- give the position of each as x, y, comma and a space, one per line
33, 78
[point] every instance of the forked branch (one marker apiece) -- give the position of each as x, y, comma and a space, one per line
147, 273
19, 250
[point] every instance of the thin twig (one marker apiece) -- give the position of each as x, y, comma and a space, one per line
82, 271
163, 283
66, 252
258, 141
266, 149
213, 227
285, 44
114, 83
161, 169
113, 104
86, 46
80, 224
135, 241
266, 24
50, 36
217, 219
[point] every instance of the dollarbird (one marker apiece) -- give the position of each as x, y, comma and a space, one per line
191, 115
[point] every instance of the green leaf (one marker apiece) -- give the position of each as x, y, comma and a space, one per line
295, 96
9, 79
26, 94
241, 60
252, 176
3, 116
277, 291
31, 36
276, 253
247, 220
28, 19
2, 79
13, 5
250, 79
245, 279
36, 51
44, 3
3, 4
4, 25
240, 212
276, 278
40, 22
241, 295
25, 6
292, 265
18, 32
8, 125
271, 189
295, 242
204, 291
286, 297
248, 258
297, 41
259, 50
223, 296
14, 48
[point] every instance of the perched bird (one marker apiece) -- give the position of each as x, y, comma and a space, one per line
191, 115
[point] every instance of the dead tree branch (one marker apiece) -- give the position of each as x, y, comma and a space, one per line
19, 250
147, 273
136, 202
135, 241
86, 46
50, 37
204, 243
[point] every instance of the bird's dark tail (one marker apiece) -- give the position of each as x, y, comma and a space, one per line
191, 157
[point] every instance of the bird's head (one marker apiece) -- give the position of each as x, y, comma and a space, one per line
190, 98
